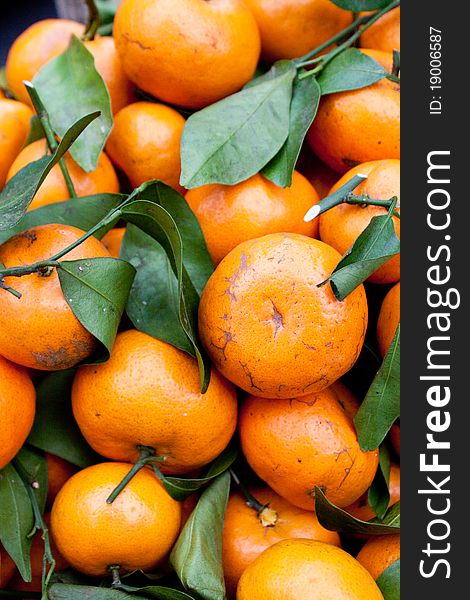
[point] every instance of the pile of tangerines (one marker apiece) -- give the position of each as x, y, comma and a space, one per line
199, 491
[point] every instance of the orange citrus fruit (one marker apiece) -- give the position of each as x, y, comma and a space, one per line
379, 552
306, 569
384, 34
297, 444
145, 143
361, 509
388, 320
346, 398
136, 531
290, 28
269, 328
36, 46
248, 533
341, 226
17, 407
58, 472
108, 64
113, 240
54, 189
14, 128
187, 52
148, 393
358, 126
39, 330
231, 214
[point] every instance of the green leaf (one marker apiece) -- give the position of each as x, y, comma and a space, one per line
236, 137
16, 520
350, 70
196, 257
69, 87
34, 467
389, 581
336, 519
360, 5
55, 429
373, 248
96, 289
107, 11
197, 554
64, 591
36, 132
180, 488
381, 406
154, 220
305, 98
379, 494
152, 305
161, 593
84, 213
19, 191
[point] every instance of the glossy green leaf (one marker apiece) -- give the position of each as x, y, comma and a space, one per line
84, 213
19, 191
55, 429
196, 257
350, 70
107, 11
376, 244
34, 469
360, 5
16, 520
305, 99
154, 220
381, 406
197, 554
379, 494
160, 592
336, 519
236, 137
152, 305
96, 289
69, 87
64, 591
389, 581
180, 488
36, 132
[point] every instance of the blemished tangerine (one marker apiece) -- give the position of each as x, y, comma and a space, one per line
297, 444
229, 215
384, 34
306, 569
388, 320
39, 330
357, 126
17, 407
135, 532
14, 127
268, 326
148, 394
379, 552
341, 226
145, 143
290, 28
54, 189
248, 533
187, 52
33, 48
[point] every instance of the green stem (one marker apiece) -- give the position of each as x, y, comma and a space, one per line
349, 42
49, 133
250, 499
366, 201
93, 21
147, 456
30, 484
116, 583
